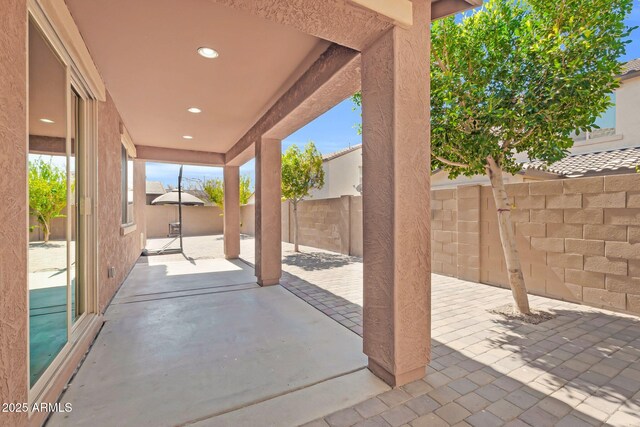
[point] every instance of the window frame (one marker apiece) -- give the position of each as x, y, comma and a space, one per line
127, 188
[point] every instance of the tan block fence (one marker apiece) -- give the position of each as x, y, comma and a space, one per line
330, 224
578, 239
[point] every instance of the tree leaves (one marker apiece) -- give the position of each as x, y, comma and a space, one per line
47, 192
301, 172
521, 77
245, 189
214, 190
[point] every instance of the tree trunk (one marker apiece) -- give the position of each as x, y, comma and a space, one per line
46, 231
507, 237
295, 227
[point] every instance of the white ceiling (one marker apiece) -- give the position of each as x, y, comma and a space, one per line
146, 53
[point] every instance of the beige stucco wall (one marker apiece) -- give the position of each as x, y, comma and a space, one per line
14, 384
247, 219
355, 228
341, 176
627, 101
115, 250
197, 220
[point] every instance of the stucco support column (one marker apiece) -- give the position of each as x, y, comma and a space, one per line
268, 212
396, 159
231, 212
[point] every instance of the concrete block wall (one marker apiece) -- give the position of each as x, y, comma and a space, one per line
578, 239
468, 236
330, 224
322, 223
444, 232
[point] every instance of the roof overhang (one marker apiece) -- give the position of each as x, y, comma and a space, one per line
630, 75
400, 12
444, 8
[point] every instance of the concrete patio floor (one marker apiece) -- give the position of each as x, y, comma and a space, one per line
581, 368
199, 342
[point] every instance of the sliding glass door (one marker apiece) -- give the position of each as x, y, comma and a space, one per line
57, 296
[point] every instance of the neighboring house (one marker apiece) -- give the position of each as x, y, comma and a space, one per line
612, 149
154, 189
342, 173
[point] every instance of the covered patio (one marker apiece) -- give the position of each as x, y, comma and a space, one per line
310, 56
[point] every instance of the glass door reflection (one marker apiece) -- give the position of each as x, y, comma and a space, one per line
48, 200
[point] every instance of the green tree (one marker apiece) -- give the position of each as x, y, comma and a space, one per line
245, 189
47, 193
521, 77
301, 172
214, 190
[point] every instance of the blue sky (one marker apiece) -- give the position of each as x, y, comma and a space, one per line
633, 20
333, 130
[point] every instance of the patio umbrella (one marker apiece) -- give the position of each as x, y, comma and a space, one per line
180, 198
172, 198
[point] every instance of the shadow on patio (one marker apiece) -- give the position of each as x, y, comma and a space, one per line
317, 260
581, 368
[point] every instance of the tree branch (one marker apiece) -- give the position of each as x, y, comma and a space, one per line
449, 162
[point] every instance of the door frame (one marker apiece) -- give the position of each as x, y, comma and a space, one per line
83, 81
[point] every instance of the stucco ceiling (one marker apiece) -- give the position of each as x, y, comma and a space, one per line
145, 51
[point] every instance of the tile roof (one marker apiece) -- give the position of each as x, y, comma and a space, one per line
154, 187
591, 163
630, 67
339, 153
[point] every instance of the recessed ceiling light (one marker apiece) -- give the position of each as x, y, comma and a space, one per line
187, 137
207, 52
48, 121
194, 110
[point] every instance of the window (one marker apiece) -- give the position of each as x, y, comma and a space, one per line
606, 124
127, 188
607, 121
